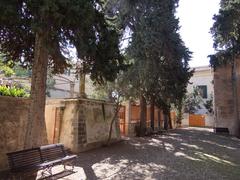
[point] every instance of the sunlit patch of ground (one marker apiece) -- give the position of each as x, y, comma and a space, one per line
184, 154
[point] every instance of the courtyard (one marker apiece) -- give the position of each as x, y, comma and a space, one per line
188, 153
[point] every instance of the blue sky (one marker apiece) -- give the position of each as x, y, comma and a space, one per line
195, 21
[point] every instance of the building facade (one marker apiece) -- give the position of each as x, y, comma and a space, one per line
202, 79
226, 100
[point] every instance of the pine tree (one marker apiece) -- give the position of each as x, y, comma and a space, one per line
226, 35
38, 34
159, 73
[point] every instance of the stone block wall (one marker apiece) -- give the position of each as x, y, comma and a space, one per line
224, 99
84, 123
77, 123
13, 116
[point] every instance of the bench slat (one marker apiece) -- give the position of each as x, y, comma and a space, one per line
52, 152
23, 159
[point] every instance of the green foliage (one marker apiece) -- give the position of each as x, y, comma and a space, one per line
13, 91
72, 23
50, 83
193, 101
179, 111
6, 67
9, 68
209, 105
112, 91
158, 55
21, 71
226, 33
6, 70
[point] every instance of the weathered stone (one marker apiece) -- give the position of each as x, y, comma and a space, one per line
78, 124
224, 99
13, 116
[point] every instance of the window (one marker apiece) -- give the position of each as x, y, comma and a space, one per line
203, 91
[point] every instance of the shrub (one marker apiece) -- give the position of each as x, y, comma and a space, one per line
7, 71
13, 91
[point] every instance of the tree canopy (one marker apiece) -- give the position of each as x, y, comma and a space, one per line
39, 34
158, 56
226, 36
67, 23
226, 33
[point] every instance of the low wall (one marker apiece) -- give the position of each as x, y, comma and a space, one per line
77, 123
209, 120
185, 120
13, 116
80, 124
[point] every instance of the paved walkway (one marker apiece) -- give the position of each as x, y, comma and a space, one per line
184, 154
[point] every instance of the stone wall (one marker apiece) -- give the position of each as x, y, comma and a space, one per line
13, 116
80, 124
77, 123
209, 120
224, 99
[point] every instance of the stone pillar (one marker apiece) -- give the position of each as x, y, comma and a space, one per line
82, 135
128, 118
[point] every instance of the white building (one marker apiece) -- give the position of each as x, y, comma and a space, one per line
67, 86
203, 80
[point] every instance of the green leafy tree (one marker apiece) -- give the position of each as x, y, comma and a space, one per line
38, 34
6, 70
158, 55
6, 67
193, 101
209, 105
21, 71
226, 35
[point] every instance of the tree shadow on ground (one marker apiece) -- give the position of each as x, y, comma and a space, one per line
179, 154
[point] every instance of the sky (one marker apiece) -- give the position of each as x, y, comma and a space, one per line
195, 21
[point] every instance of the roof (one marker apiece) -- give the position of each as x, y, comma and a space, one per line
202, 68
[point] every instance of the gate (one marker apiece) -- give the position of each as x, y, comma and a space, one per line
197, 120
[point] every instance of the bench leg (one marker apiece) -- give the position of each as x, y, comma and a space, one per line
70, 163
46, 172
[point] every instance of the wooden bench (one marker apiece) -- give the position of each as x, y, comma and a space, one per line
41, 158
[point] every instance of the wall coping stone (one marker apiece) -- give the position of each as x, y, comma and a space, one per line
65, 100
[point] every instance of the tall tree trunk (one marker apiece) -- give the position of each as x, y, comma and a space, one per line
235, 97
159, 119
170, 119
36, 128
114, 119
152, 109
179, 112
143, 114
165, 119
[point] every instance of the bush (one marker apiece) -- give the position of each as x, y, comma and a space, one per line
7, 71
13, 91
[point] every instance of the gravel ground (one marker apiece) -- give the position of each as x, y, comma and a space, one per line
184, 154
